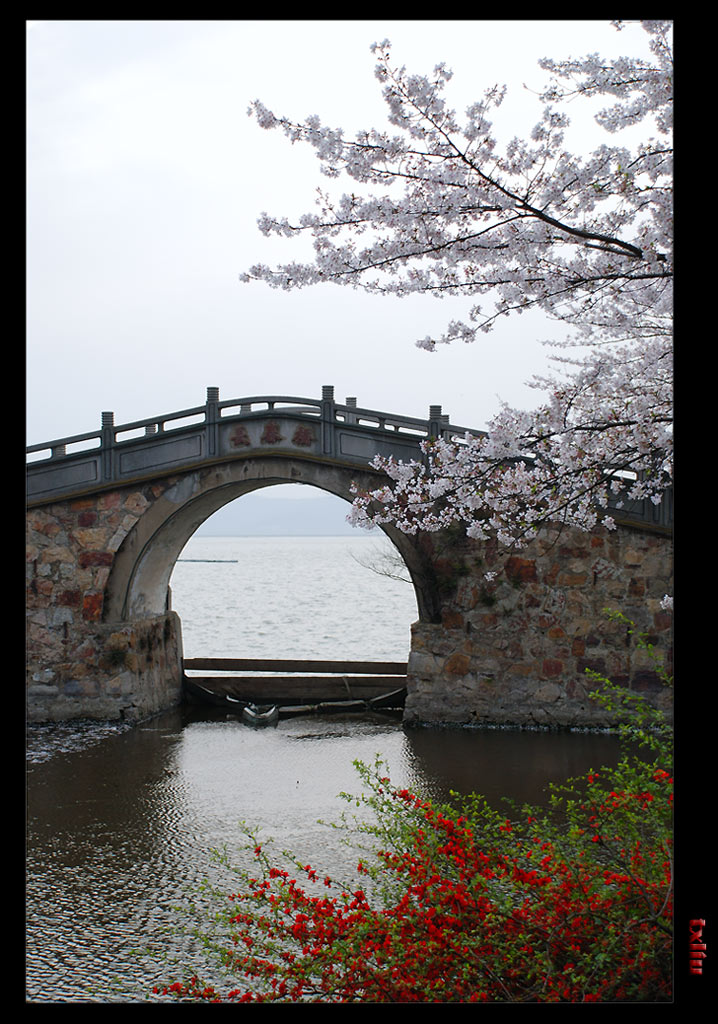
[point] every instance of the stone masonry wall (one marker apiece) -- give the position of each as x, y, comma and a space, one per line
514, 650
79, 666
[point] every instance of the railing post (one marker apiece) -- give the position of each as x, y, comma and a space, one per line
352, 404
328, 418
211, 418
108, 445
666, 508
435, 421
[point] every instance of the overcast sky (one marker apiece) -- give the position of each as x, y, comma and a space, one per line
145, 178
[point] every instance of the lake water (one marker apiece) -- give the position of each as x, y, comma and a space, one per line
311, 597
122, 822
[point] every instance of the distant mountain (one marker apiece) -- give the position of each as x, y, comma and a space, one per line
256, 515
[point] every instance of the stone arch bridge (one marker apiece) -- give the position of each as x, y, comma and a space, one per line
109, 511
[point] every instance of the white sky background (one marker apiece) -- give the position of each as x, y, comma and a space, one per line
145, 181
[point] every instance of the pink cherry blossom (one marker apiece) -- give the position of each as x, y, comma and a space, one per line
438, 207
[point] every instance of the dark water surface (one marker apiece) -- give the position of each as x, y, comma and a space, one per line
121, 823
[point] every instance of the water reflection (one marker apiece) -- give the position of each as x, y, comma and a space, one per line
120, 830
503, 763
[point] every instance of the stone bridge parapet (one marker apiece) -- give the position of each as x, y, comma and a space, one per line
217, 431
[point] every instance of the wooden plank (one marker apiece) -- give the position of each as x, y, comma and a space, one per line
291, 665
299, 689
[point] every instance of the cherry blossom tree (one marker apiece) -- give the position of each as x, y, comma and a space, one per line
439, 207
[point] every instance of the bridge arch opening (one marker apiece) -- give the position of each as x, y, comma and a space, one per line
278, 573
139, 582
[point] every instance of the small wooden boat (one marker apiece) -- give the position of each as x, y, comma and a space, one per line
209, 691
253, 715
203, 695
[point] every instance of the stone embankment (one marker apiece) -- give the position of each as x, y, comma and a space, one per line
514, 650
78, 665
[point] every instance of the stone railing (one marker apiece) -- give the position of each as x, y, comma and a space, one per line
118, 454
324, 428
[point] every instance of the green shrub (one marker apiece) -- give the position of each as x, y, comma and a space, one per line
460, 903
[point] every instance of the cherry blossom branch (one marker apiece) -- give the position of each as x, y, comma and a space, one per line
532, 226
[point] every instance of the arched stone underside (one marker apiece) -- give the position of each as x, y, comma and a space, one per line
138, 583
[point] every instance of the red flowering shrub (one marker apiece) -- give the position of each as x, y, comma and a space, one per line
462, 904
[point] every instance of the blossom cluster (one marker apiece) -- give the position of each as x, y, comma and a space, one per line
586, 239
597, 441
